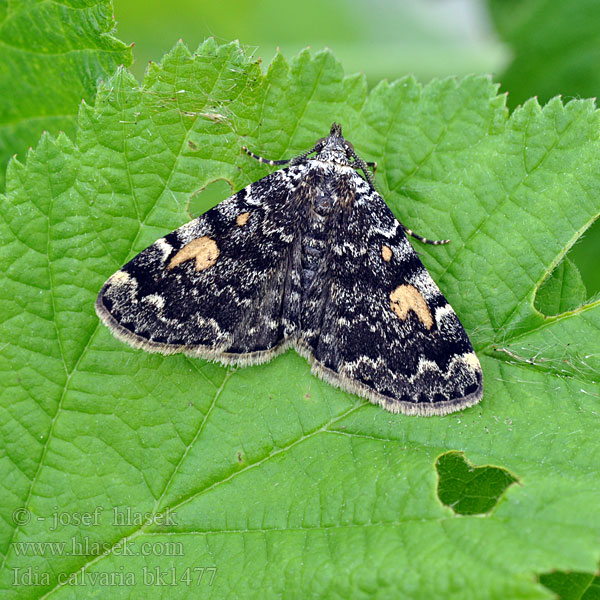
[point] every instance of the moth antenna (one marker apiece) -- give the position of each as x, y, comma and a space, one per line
302, 157
292, 161
359, 163
266, 161
421, 238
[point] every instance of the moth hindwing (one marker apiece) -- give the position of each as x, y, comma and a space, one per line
309, 257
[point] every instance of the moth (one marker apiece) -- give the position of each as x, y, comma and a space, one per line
308, 257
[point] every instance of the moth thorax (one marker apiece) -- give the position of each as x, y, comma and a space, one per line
334, 151
322, 205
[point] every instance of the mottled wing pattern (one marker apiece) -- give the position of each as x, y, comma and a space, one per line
219, 287
386, 331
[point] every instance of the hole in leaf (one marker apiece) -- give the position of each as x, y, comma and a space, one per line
209, 196
585, 255
561, 291
467, 489
572, 586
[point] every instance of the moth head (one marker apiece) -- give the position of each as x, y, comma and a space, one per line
334, 148
336, 130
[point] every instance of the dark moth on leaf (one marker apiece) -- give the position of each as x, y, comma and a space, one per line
309, 257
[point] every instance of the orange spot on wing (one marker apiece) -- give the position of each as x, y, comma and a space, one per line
204, 250
242, 219
406, 298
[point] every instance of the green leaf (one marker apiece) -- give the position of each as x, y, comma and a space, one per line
572, 586
467, 489
53, 55
563, 290
556, 50
556, 47
283, 484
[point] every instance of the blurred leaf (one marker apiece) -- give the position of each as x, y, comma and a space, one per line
563, 290
384, 39
285, 485
556, 48
53, 55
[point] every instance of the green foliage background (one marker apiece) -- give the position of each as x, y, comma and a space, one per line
53, 55
282, 484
